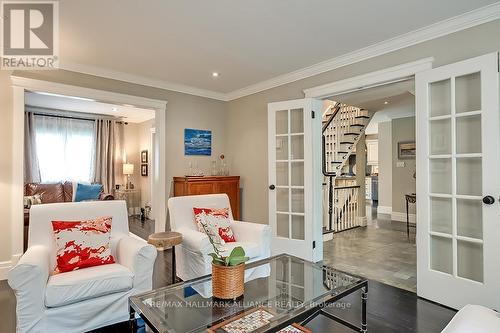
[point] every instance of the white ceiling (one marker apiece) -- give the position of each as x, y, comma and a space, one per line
399, 97
400, 106
183, 42
130, 114
373, 99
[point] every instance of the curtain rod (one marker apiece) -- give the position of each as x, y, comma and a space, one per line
56, 113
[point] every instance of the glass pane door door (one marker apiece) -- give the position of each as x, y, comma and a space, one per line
293, 167
458, 184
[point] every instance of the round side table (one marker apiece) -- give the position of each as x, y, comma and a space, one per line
163, 240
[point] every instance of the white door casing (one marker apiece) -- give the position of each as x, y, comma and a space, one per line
458, 155
295, 193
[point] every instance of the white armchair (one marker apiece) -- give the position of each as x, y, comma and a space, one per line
474, 319
84, 299
192, 259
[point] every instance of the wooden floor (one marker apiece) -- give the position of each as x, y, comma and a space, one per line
390, 309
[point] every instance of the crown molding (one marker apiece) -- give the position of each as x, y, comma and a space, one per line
461, 22
384, 76
141, 80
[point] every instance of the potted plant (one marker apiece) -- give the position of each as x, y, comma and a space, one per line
228, 272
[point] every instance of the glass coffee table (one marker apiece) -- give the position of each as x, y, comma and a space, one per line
279, 291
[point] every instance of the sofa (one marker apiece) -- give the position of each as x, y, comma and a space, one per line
51, 193
84, 299
192, 256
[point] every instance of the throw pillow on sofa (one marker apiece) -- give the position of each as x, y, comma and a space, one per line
87, 192
30, 200
81, 244
217, 222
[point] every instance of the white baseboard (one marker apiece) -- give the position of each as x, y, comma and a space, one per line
327, 237
362, 221
5, 266
384, 210
401, 217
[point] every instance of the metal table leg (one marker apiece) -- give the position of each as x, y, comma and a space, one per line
173, 265
407, 219
364, 298
132, 320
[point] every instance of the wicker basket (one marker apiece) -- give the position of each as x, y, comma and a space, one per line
228, 282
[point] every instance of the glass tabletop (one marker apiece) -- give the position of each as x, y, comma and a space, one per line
278, 288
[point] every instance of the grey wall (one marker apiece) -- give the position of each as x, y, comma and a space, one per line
361, 174
144, 133
131, 147
247, 116
403, 129
385, 166
6, 149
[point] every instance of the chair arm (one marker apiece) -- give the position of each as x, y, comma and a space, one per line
253, 232
139, 257
195, 241
28, 278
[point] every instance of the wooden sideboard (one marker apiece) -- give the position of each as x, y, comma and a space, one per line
211, 185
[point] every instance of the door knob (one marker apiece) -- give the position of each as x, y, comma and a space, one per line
489, 200
272, 187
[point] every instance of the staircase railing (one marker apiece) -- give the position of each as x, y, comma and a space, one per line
346, 208
343, 126
327, 159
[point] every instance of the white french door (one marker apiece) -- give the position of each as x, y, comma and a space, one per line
295, 196
458, 183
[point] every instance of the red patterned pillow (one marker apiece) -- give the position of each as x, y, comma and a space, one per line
82, 244
217, 222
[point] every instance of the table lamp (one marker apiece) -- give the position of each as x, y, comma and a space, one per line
128, 170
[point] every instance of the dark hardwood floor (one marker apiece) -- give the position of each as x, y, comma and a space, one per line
390, 309
141, 228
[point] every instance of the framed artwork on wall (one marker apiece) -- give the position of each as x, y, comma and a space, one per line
144, 156
197, 142
144, 170
407, 150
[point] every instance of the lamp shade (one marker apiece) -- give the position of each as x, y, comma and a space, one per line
128, 169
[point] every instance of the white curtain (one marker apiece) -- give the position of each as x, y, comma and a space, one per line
65, 148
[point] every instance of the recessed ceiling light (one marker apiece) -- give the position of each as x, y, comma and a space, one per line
386, 102
215, 74
114, 109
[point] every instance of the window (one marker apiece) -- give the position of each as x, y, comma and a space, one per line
65, 148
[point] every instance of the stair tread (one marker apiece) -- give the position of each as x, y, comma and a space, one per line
351, 133
346, 142
362, 117
358, 125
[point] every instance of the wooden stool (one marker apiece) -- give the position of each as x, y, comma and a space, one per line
163, 240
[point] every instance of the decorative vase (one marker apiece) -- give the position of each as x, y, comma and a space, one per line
228, 282
214, 168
